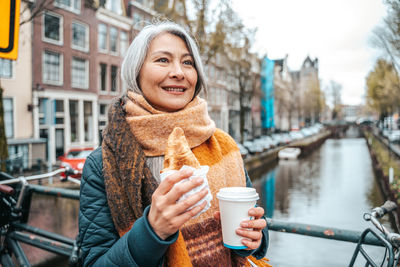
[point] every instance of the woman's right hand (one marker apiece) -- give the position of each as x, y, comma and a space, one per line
166, 215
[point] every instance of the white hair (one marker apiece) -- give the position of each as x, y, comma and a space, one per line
137, 51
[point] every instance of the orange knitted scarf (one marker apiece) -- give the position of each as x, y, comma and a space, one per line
129, 184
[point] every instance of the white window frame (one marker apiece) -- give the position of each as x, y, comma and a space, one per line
70, 8
98, 42
86, 85
118, 8
61, 69
121, 32
48, 40
13, 116
12, 77
86, 48
116, 52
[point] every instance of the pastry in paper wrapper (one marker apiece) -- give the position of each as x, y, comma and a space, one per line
179, 156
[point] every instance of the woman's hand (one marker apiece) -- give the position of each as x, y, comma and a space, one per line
166, 216
251, 230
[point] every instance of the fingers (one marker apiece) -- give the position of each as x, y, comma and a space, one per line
256, 212
181, 188
252, 231
251, 244
166, 185
166, 219
183, 205
250, 234
190, 213
255, 224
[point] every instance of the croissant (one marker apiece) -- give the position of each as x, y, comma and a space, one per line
178, 152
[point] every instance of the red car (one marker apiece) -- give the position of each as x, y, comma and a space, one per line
75, 158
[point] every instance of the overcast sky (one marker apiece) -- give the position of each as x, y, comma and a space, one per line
335, 31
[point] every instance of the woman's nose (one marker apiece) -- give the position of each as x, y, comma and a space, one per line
176, 71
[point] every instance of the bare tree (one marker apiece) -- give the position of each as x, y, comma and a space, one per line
387, 36
335, 92
3, 138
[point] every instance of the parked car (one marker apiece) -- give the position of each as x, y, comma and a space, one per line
75, 158
394, 136
278, 139
251, 147
262, 144
243, 151
286, 138
296, 135
272, 141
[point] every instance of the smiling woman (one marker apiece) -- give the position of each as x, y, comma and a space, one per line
128, 215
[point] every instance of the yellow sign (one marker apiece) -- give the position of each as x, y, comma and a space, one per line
9, 28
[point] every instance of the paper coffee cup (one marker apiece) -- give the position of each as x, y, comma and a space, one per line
234, 205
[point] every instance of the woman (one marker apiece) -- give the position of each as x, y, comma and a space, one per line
127, 216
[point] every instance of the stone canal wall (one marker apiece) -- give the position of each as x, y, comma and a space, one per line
258, 163
382, 159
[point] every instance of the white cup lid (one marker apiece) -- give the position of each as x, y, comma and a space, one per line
237, 194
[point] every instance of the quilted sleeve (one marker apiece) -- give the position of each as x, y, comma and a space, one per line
98, 239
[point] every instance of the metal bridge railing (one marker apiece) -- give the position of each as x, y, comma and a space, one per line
320, 231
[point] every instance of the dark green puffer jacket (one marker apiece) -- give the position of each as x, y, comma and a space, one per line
98, 239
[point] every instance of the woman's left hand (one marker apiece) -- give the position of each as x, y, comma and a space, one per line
251, 230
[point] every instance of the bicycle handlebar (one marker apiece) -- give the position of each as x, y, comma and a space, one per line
67, 171
378, 213
387, 207
8, 190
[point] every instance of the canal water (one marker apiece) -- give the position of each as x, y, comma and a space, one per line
333, 186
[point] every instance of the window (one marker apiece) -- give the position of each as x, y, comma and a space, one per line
73, 113
80, 36
79, 73
72, 5
52, 68
8, 117
59, 107
123, 40
103, 109
53, 29
113, 39
42, 111
114, 77
6, 68
102, 37
137, 19
114, 6
103, 77
88, 120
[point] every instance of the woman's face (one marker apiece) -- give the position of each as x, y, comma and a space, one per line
168, 77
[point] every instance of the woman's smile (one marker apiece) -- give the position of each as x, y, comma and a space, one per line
174, 89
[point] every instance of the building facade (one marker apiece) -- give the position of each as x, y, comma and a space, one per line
70, 59
16, 81
65, 106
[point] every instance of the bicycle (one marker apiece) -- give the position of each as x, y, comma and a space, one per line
15, 198
389, 240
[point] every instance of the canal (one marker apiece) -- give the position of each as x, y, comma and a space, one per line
333, 186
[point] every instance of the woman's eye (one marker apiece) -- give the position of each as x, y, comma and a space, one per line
188, 62
163, 60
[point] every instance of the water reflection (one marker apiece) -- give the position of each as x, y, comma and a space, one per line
333, 187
